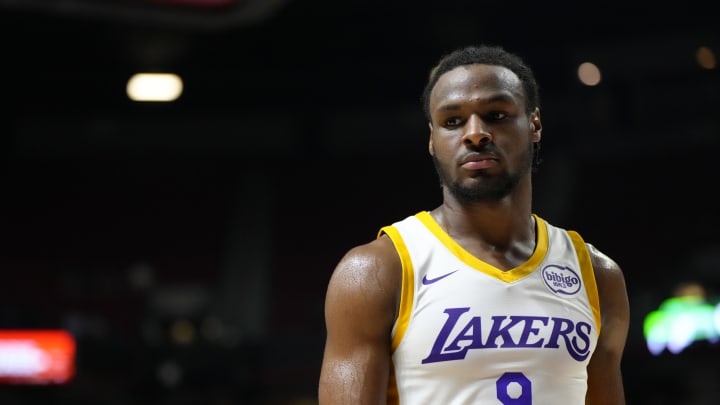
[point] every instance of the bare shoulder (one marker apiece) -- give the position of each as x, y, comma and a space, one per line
602, 262
369, 263
360, 310
605, 266
605, 382
612, 292
368, 275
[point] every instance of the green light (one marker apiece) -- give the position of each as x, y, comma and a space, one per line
680, 321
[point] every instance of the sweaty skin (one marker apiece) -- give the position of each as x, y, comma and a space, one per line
481, 140
360, 307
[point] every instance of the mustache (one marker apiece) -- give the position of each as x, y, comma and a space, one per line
488, 147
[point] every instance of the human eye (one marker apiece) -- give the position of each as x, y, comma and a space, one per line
496, 116
452, 122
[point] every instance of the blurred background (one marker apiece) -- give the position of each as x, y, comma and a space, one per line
186, 245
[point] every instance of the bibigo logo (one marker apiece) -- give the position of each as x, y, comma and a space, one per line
561, 279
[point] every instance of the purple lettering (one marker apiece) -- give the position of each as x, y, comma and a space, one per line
562, 327
471, 332
529, 331
436, 354
498, 330
580, 353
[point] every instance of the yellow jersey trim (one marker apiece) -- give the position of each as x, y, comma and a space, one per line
588, 275
407, 285
507, 276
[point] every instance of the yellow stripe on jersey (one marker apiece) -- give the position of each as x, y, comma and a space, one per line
408, 284
507, 276
588, 275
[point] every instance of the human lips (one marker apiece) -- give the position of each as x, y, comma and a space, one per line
476, 161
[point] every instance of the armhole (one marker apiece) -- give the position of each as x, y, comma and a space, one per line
588, 275
407, 285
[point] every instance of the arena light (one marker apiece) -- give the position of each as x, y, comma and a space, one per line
681, 320
154, 87
706, 58
36, 357
589, 74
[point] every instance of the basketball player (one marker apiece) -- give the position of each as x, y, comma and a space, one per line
480, 300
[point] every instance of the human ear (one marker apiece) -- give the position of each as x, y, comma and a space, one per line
536, 125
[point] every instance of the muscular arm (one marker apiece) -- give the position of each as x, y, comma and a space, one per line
360, 308
605, 384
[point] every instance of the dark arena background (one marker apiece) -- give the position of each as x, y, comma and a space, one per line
178, 252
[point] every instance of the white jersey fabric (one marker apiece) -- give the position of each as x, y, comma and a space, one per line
470, 333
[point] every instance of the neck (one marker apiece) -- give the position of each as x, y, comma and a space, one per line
500, 223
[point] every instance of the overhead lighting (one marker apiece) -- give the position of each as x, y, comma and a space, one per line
157, 87
36, 357
706, 58
589, 74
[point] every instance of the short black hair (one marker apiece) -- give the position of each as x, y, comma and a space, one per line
486, 55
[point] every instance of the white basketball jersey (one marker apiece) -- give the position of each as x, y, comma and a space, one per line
470, 333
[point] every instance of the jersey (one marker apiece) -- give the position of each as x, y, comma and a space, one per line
470, 333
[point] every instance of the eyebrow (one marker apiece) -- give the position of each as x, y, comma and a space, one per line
496, 98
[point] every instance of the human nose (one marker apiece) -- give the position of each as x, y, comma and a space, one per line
476, 133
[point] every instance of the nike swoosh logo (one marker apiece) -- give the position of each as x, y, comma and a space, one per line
428, 281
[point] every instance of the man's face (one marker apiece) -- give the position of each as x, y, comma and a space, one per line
481, 136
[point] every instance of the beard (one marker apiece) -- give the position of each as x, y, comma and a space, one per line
486, 188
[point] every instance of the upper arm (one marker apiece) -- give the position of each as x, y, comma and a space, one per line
360, 309
605, 384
